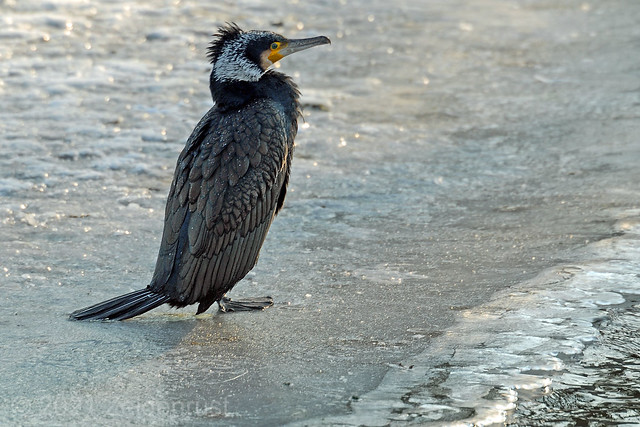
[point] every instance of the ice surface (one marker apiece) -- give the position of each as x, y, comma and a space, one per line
544, 351
450, 150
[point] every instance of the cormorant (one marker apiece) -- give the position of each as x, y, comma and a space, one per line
230, 180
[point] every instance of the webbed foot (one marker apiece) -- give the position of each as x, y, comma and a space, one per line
248, 304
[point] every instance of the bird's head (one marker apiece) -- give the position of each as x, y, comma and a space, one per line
239, 55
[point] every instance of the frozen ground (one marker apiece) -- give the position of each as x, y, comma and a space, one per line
456, 155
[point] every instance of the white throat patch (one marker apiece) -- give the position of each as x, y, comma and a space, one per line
232, 64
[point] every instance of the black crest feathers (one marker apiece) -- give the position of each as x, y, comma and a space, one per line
224, 34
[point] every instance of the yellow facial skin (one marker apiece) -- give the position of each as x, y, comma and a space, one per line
274, 52
272, 55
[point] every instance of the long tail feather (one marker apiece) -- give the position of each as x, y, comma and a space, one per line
122, 307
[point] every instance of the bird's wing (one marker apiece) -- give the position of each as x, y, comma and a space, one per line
229, 182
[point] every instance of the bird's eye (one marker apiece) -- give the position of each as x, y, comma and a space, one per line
275, 45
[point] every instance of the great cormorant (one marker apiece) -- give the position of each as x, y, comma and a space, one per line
230, 180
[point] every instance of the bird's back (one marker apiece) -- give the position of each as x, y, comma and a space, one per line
229, 183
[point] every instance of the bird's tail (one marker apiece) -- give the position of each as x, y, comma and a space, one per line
122, 307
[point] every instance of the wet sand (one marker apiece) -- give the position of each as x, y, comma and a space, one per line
451, 150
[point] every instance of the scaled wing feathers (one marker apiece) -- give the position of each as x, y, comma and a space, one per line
228, 184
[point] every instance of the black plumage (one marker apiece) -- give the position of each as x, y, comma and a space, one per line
230, 180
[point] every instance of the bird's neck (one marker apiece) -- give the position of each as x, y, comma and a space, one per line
231, 95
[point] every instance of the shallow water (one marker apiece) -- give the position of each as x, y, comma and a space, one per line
452, 152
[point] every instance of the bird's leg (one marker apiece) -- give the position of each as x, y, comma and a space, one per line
227, 304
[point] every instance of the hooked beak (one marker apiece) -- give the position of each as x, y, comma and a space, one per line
292, 46
296, 45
